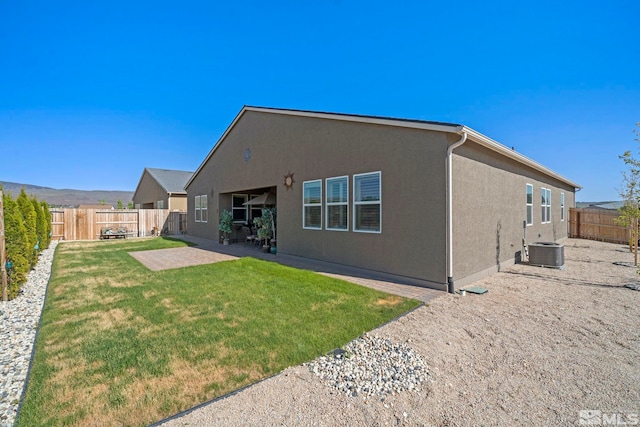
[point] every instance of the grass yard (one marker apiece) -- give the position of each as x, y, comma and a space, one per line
122, 345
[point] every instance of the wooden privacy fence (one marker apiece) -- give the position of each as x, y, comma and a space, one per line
597, 224
85, 224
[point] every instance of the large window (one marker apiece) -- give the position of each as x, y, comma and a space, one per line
312, 204
546, 205
201, 209
337, 190
239, 210
367, 203
529, 204
561, 206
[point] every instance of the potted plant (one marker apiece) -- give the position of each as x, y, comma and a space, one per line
266, 227
226, 221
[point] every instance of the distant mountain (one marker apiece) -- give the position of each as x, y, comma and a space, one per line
67, 197
615, 204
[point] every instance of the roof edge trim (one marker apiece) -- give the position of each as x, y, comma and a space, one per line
489, 143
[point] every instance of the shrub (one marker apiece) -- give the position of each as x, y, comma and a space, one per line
47, 217
41, 224
29, 217
18, 248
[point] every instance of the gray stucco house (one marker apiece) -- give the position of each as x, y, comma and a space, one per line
436, 203
162, 189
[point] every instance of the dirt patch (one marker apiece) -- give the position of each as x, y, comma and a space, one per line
390, 301
538, 348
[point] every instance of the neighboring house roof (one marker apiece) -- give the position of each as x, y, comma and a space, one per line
608, 205
472, 135
172, 181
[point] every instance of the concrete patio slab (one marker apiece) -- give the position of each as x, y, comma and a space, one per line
164, 259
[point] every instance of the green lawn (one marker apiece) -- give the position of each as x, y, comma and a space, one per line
122, 345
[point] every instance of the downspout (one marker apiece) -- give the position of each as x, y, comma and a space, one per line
450, 286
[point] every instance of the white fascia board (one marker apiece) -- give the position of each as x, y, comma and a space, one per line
508, 152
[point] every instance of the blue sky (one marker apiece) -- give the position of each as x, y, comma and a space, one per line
93, 92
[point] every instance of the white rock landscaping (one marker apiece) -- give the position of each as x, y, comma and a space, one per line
18, 325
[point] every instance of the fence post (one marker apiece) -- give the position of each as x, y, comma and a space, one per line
3, 251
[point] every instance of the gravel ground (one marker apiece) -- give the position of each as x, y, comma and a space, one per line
538, 348
18, 323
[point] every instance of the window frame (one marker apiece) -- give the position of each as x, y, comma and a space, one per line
545, 205
529, 218
561, 207
306, 205
344, 203
196, 209
204, 208
357, 203
244, 208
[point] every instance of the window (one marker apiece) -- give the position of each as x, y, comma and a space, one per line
546, 205
367, 203
312, 204
255, 211
201, 209
337, 190
204, 208
529, 204
561, 206
160, 204
197, 210
239, 210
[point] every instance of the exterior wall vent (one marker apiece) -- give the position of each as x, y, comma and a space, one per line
546, 254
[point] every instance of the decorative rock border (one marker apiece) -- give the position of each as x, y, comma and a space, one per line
19, 319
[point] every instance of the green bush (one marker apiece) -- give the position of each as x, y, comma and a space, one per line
41, 223
47, 217
19, 250
29, 217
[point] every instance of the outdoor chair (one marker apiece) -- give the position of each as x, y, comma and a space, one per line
250, 238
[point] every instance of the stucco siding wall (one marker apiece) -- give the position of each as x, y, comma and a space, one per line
489, 195
411, 163
149, 191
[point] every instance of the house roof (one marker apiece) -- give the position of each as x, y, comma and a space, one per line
472, 135
172, 181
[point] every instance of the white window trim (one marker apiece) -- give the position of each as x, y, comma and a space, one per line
245, 207
529, 204
327, 203
561, 207
204, 207
196, 209
304, 205
378, 202
546, 207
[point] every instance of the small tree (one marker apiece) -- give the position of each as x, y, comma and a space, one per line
29, 218
630, 193
48, 229
18, 248
120, 206
130, 205
226, 221
266, 224
41, 223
